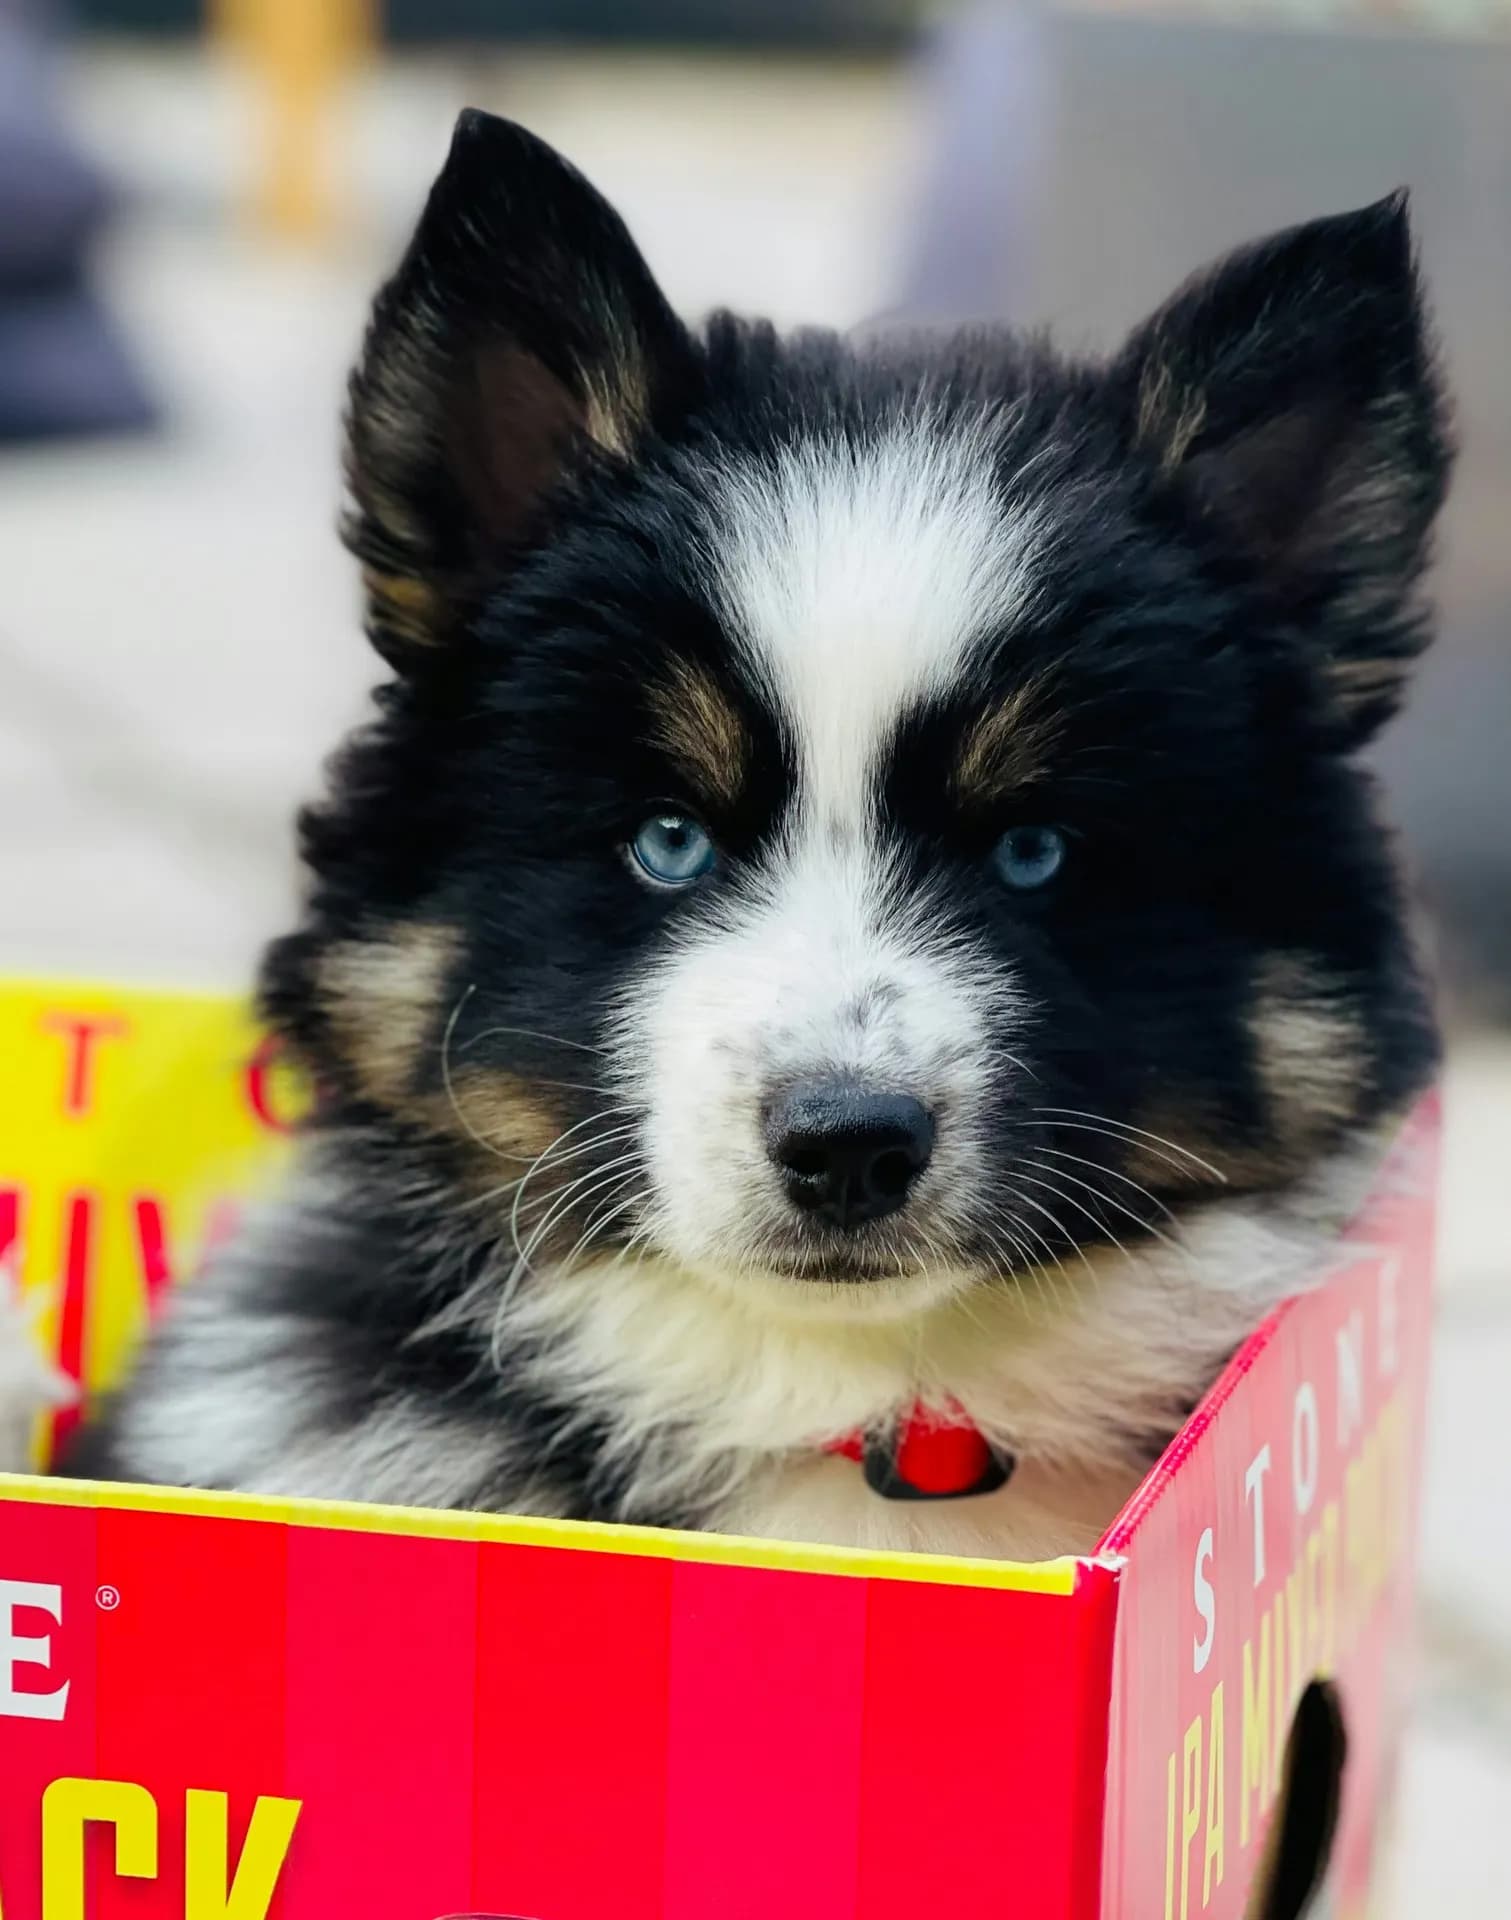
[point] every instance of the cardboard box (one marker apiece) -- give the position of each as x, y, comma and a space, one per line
219, 1708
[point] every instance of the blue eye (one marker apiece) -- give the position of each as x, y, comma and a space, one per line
673, 850
1029, 857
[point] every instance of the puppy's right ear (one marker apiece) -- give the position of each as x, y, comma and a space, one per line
521, 331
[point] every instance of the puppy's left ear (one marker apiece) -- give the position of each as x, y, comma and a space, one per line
1294, 389
521, 338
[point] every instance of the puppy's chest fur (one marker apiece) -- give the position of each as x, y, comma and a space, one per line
654, 1395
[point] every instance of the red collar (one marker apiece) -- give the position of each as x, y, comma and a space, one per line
927, 1455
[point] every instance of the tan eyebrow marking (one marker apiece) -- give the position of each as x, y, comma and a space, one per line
1007, 747
699, 727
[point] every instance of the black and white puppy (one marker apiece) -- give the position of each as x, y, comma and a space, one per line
857, 895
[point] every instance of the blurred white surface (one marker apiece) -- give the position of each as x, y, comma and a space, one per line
179, 648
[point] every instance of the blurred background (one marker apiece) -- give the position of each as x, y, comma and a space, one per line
195, 204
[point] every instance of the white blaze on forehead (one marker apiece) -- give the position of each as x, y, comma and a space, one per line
856, 579
858, 576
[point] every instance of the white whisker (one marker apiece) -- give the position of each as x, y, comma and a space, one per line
1059, 1153
488, 1146
578, 1181
1122, 1130
1107, 1200
1071, 1201
579, 1191
530, 1033
553, 1160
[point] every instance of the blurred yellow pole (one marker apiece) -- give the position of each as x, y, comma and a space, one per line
299, 52
228, 18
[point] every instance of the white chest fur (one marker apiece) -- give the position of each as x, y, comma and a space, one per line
723, 1390
1040, 1513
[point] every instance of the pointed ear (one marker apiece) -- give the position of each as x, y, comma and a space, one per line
521, 337
1293, 388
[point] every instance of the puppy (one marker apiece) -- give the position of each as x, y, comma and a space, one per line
854, 959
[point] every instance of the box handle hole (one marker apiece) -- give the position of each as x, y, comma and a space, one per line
1306, 1819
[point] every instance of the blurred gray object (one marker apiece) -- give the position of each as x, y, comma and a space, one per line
845, 23
1084, 165
798, 23
62, 367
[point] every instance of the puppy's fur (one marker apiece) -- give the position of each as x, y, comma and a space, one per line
860, 611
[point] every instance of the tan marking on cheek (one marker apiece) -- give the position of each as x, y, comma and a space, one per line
699, 729
1310, 1058
1007, 748
506, 1116
383, 1000
1311, 1051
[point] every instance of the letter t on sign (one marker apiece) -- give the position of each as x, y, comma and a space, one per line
1253, 1486
82, 1033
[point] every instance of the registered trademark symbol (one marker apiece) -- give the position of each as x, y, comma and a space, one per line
107, 1599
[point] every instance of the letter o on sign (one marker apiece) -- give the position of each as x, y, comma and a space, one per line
274, 1092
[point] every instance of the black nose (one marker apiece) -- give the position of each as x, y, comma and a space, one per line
846, 1155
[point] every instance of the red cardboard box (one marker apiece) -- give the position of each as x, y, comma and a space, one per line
220, 1708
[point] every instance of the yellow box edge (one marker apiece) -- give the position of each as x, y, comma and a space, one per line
1055, 1577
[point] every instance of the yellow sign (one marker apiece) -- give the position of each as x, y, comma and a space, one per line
133, 1127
